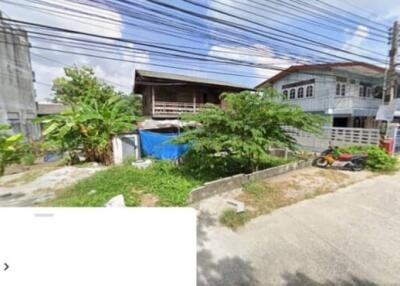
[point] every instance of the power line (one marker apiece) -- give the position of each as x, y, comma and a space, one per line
251, 48
225, 23
260, 32
215, 58
352, 14
291, 53
293, 26
327, 15
182, 53
168, 66
64, 64
136, 62
301, 18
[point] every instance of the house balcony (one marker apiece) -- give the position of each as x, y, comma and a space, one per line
356, 106
167, 109
346, 105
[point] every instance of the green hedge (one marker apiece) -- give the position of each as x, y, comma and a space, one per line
378, 160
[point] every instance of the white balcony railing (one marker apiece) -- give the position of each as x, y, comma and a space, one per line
175, 108
344, 104
357, 102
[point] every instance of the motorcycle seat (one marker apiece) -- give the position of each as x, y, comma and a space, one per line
345, 157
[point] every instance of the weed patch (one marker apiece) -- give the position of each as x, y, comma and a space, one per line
162, 179
234, 220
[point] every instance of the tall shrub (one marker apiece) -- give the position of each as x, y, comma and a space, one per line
243, 131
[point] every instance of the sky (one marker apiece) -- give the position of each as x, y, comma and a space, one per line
258, 27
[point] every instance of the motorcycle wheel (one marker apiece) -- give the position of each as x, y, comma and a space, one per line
320, 162
357, 166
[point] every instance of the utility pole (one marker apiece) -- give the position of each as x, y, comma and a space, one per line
391, 77
389, 130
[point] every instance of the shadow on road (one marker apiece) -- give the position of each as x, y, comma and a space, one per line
204, 221
300, 279
232, 271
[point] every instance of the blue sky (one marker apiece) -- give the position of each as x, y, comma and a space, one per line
257, 49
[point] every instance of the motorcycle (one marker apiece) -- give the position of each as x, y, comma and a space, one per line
331, 158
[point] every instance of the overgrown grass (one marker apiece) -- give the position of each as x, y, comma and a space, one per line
163, 179
234, 220
170, 183
210, 167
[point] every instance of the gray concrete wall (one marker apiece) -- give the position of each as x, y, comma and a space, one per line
17, 94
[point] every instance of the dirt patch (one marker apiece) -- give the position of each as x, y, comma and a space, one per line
262, 197
149, 200
265, 196
146, 199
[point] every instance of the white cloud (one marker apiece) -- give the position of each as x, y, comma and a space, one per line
263, 55
393, 13
359, 35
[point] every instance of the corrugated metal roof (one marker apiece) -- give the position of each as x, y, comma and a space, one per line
184, 78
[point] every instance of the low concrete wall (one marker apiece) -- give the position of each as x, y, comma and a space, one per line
217, 187
271, 172
230, 183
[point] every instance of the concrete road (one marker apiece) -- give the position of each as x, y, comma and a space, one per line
350, 237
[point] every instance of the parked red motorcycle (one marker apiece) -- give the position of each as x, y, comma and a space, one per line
332, 158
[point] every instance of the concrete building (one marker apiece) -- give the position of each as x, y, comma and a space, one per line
350, 93
17, 93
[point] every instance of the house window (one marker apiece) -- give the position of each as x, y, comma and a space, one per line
309, 91
378, 92
369, 91
343, 90
338, 87
362, 91
285, 94
292, 93
300, 92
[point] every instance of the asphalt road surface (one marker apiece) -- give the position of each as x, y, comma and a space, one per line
350, 237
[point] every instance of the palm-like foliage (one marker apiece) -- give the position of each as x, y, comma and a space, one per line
10, 147
97, 113
89, 128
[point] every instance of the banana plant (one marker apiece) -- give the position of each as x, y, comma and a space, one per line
89, 128
10, 147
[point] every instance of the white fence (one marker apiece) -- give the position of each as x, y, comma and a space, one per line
336, 137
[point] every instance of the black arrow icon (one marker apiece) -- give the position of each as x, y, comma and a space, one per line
6, 266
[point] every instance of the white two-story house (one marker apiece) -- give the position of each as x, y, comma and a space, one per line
350, 93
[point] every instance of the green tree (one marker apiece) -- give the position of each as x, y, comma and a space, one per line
243, 131
80, 85
10, 147
96, 114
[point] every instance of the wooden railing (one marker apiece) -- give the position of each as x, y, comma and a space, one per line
175, 108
